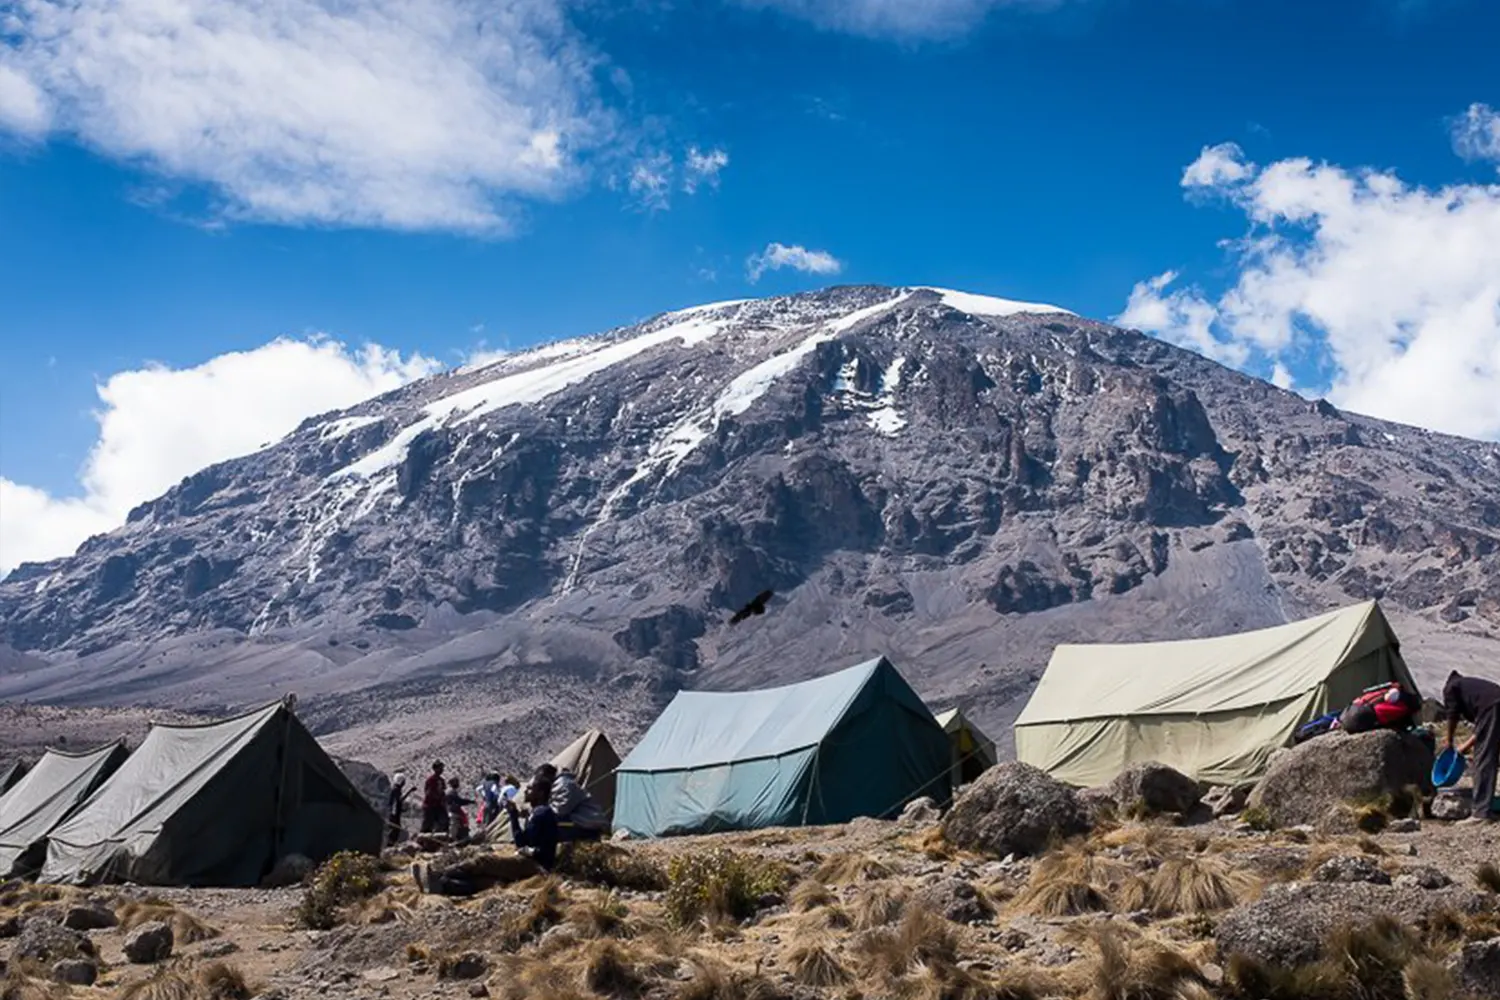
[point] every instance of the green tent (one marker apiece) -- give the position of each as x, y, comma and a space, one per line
854, 743
215, 805
44, 798
10, 774
1214, 708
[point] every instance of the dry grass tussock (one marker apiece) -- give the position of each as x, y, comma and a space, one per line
1072, 881
214, 981
387, 906
712, 979
24, 896
809, 894
848, 869
543, 909
878, 905
930, 843
17, 985
1380, 960
187, 928
921, 936
1135, 969
813, 962
1156, 841
1198, 884
601, 914
614, 867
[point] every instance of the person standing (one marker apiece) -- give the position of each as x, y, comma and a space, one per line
1476, 701
458, 819
434, 801
395, 803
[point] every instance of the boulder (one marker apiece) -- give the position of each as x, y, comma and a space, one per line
1351, 868
920, 811
75, 972
89, 917
1423, 877
150, 942
1099, 804
1014, 808
955, 899
1226, 801
468, 965
1155, 789
1305, 782
47, 941
1289, 923
1453, 804
1476, 969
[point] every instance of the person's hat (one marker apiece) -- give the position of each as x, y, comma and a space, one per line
398, 779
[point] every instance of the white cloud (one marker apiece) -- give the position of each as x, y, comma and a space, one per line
777, 256
703, 168
1476, 133
651, 182
914, 19
407, 114
158, 424
1382, 295
1216, 165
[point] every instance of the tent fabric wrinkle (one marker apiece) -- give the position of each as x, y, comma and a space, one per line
1214, 708
851, 743
44, 798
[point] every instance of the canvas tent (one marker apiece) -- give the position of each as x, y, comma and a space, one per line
44, 798
10, 774
858, 742
214, 805
972, 751
593, 761
1214, 709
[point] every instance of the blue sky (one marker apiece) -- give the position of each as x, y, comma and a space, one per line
466, 176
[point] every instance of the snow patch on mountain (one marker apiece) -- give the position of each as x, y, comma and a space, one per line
988, 305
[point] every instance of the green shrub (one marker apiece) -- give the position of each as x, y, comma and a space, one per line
613, 867
1258, 818
722, 883
345, 878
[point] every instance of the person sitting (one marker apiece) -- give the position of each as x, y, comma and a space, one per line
538, 837
452, 875
1476, 701
458, 820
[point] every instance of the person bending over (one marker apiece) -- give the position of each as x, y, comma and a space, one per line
1477, 701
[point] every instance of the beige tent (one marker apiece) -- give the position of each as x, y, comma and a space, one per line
973, 751
1214, 709
593, 761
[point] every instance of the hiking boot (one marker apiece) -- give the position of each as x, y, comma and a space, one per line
419, 876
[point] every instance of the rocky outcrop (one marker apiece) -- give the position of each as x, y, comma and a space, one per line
1154, 789
44, 940
1304, 783
1014, 808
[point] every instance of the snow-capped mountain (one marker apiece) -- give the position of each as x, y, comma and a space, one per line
504, 552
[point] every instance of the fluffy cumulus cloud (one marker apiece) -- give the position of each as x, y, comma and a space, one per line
158, 424
1476, 133
1380, 294
407, 114
905, 19
777, 256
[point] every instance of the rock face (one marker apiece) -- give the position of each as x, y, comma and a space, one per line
1014, 808
1157, 789
1307, 781
915, 473
1477, 969
151, 942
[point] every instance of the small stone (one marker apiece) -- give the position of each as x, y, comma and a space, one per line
1352, 868
75, 972
218, 949
89, 917
479, 990
920, 811
1407, 825
469, 965
382, 974
1453, 805
1212, 974
1423, 878
150, 942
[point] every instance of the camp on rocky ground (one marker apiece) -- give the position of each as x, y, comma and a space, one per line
49, 793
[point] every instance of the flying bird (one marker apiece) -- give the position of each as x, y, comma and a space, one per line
755, 607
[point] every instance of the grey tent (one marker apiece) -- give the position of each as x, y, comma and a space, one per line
593, 762
10, 774
44, 798
854, 743
215, 805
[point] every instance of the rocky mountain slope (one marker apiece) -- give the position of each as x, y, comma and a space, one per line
484, 561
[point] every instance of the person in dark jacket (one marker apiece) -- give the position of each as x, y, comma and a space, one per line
1476, 701
458, 819
434, 801
395, 804
538, 836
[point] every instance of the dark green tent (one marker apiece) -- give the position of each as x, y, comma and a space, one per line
48, 794
855, 743
215, 805
10, 774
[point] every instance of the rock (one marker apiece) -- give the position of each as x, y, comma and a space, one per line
89, 917
1423, 877
1351, 868
1289, 923
1099, 804
1226, 801
218, 949
75, 972
1212, 974
479, 990
920, 811
620, 835
381, 974
9, 927
1306, 781
1453, 804
1014, 808
1477, 969
1156, 789
150, 942
1407, 825
46, 941
468, 965
957, 900
289, 871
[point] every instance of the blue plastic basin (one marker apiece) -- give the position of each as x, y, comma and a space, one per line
1448, 768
